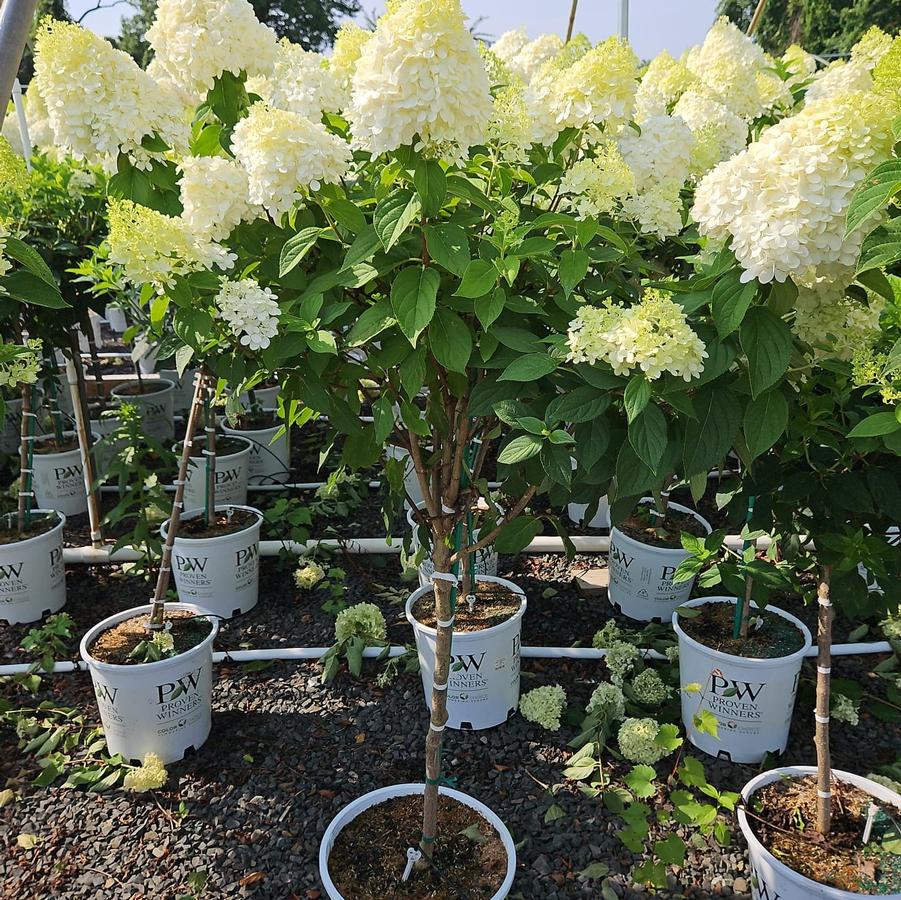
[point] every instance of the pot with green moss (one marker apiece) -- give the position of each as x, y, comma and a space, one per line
738, 694
163, 706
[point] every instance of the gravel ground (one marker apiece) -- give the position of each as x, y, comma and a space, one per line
286, 753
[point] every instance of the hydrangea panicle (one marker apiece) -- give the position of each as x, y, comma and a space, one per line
214, 194
250, 311
309, 575
365, 620
151, 775
544, 706
637, 741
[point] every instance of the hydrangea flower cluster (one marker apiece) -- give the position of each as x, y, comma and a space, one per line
607, 702
621, 658
346, 52
151, 775
845, 76
869, 368
649, 689
544, 706
512, 127
195, 41
420, 75
309, 575
652, 335
152, 247
607, 635
250, 311
13, 172
784, 200
365, 620
24, 367
524, 57
600, 182
214, 194
664, 81
164, 642
116, 105
844, 709
801, 64
637, 741
301, 81
283, 153
831, 323
719, 133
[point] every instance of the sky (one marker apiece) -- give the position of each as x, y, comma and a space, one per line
654, 25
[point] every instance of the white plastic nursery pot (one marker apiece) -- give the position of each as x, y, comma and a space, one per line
266, 397
374, 798
115, 317
411, 479
221, 574
232, 474
156, 406
486, 558
601, 519
483, 686
641, 576
772, 879
59, 478
270, 452
33, 575
184, 387
752, 699
163, 707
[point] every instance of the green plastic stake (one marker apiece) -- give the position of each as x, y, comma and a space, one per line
740, 605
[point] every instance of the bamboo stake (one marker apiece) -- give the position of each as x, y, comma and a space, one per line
824, 677
26, 433
755, 19
209, 453
572, 21
157, 614
75, 377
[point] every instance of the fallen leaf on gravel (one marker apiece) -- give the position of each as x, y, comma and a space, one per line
7, 797
313, 894
328, 793
251, 878
361, 737
28, 841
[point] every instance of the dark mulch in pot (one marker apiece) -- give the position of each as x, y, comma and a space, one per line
38, 523
368, 858
657, 531
494, 604
226, 522
52, 445
712, 624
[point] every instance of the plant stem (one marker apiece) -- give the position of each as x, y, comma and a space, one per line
824, 662
572, 21
157, 614
210, 457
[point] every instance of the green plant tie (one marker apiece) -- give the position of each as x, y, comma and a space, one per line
740, 605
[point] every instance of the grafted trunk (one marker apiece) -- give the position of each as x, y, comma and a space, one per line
824, 678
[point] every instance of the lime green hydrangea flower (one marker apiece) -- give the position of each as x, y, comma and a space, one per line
607, 702
649, 689
637, 741
309, 575
149, 776
365, 620
544, 706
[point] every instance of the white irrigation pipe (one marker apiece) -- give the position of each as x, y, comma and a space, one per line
288, 654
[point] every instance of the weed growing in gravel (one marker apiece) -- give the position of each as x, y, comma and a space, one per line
45, 645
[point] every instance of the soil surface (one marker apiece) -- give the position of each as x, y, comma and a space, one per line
148, 388
117, 643
51, 445
225, 445
250, 421
494, 604
649, 529
370, 853
222, 524
783, 815
713, 625
38, 524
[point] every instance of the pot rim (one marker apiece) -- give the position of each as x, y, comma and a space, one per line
220, 507
166, 386
105, 624
381, 795
429, 630
76, 449
177, 448
240, 432
663, 551
769, 662
44, 534
877, 791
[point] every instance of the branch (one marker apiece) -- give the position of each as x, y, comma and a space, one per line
489, 538
100, 5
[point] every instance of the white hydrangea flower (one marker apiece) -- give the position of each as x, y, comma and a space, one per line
599, 183
195, 41
283, 154
301, 81
844, 709
346, 51
420, 76
727, 63
511, 127
664, 81
649, 689
152, 247
250, 311
80, 181
309, 575
509, 45
719, 133
214, 194
636, 741
653, 336
25, 367
621, 658
364, 620
149, 776
775, 94
98, 100
527, 62
844, 76
544, 706
607, 701
783, 201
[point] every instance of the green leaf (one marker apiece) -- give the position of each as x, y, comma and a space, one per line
881, 247
227, 98
595, 870
647, 435
362, 249
345, 213
372, 321
650, 872
393, 216
431, 185
671, 850
731, 300
668, 737
517, 535
449, 247
553, 813
296, 248
766, 419
706, 722
30, 258
573, 268
555, 460
529, 367
489, 307
582, 404
32, 290
521, 448
873, 194
479, 278
640, 781
413, 296
636, 396
450, 340
708, 438
876, 425
767, 342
